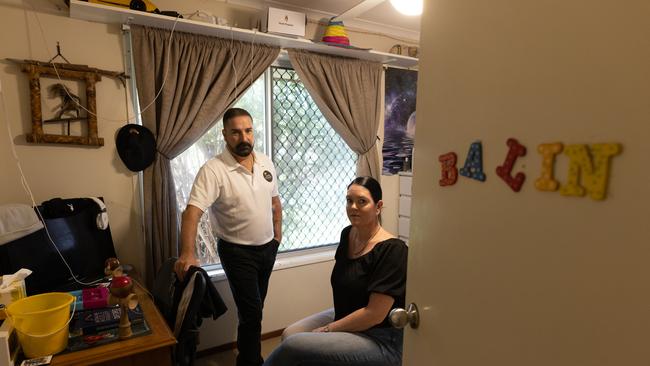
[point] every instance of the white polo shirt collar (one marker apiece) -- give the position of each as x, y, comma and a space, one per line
233, 164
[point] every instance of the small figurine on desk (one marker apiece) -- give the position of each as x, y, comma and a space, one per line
113, 268
121, 290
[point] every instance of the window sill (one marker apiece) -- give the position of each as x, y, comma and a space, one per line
284, 261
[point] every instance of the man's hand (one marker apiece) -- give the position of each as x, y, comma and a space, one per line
183, 264
189, 224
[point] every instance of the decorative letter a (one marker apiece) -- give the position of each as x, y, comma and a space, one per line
474, 163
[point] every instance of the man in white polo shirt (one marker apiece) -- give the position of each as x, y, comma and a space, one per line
240, 187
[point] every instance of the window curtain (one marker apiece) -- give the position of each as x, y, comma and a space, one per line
348, 93
197, 78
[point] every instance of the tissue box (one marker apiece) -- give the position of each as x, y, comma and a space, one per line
285, 22
12, 293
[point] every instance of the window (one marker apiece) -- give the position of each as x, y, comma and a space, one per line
186, 165
313, 163
314, 166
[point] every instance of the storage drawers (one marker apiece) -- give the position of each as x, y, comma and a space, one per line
404, 210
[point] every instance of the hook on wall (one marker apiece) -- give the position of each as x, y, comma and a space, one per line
58, 54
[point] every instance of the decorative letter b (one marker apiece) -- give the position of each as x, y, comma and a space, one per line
449, 171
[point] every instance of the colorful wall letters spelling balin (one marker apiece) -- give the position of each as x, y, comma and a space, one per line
588, 167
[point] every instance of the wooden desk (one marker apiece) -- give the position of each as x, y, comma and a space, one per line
151, 349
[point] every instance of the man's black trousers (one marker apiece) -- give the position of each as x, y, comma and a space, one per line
248, 268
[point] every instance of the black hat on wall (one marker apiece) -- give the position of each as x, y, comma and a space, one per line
136, 146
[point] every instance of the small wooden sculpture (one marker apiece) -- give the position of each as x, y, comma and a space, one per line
121, 293
69, 102
113, 268
88, 76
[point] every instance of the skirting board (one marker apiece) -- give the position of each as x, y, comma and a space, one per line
233, 345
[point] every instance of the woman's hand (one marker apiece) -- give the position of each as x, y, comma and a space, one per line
324, 329
362, 319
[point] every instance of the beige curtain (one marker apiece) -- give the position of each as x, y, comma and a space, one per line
348, 93
200, 78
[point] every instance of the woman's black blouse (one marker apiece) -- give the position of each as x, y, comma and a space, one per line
381, 270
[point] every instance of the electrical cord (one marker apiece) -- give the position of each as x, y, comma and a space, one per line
28, 190
23, 179
232, 62
56, 71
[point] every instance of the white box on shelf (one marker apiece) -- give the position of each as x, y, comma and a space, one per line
285, 22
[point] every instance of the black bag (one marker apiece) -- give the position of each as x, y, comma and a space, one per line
184, 305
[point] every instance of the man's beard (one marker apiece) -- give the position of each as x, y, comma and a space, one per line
243, 149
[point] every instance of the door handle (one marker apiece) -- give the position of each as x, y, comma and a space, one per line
399, 317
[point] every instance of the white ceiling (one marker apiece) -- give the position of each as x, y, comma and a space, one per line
382, 18
384, 13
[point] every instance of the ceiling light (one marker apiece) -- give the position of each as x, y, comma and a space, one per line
408, 7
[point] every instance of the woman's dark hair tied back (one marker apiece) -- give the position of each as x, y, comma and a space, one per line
370, 184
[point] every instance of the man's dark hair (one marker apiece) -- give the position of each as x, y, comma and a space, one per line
235, 112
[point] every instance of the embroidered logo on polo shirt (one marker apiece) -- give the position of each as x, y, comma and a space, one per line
268, 176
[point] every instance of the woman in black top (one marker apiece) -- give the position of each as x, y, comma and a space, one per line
368, 280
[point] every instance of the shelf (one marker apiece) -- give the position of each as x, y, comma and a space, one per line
116, 15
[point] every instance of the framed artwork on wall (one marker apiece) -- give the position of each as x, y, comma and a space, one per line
69, 108
63, 101
399, 120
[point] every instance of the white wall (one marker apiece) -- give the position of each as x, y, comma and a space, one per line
60, 170
293, 294
71, 171
531, 278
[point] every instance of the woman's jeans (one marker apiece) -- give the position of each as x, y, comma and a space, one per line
373, 347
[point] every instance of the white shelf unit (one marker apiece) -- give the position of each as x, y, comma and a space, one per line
116, 15
404, 208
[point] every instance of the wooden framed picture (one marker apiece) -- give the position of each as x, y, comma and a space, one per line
63, 85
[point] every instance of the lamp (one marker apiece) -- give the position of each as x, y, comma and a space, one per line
408, 7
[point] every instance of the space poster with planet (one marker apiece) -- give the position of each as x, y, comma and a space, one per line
399, 119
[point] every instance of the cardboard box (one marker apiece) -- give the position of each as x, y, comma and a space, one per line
285, 22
